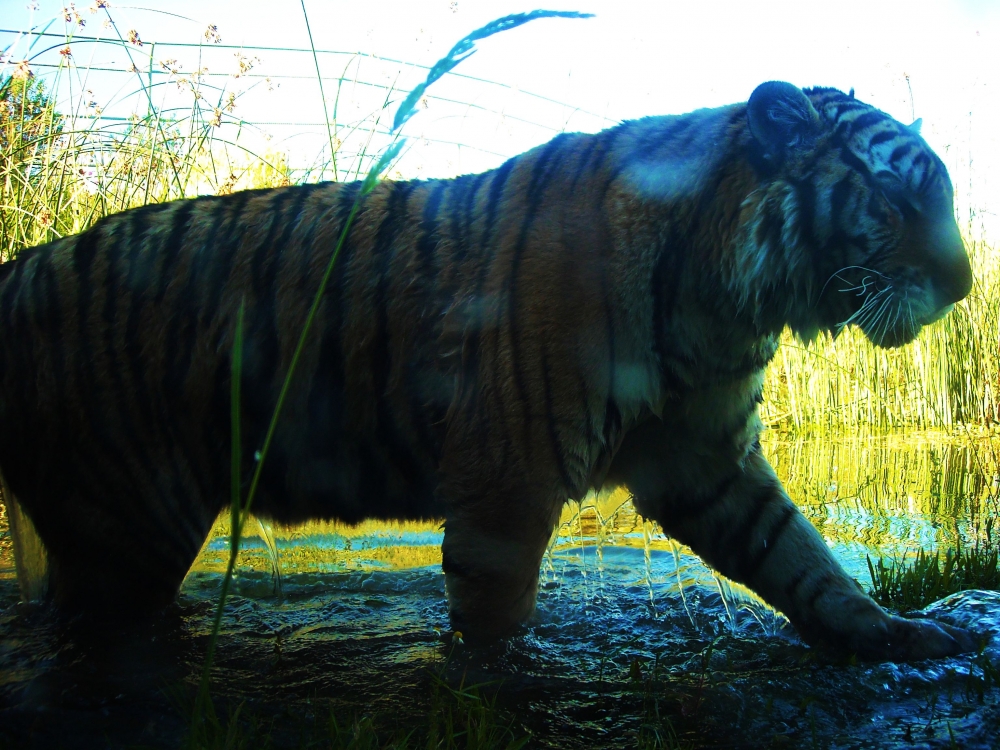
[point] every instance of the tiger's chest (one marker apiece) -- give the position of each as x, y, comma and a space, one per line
711, 363
700, 434
704, 421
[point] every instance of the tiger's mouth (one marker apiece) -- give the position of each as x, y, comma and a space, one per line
892, 336
892, 310
895, 290
894, 326
892, 305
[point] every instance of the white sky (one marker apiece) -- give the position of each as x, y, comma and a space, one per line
635, 58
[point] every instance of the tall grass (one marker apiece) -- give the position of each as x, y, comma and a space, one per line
62, 170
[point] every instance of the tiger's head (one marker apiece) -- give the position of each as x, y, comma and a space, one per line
853, 222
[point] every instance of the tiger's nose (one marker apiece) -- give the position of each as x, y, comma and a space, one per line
951, 269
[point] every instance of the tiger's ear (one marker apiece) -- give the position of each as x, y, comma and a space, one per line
915, 125
782, 118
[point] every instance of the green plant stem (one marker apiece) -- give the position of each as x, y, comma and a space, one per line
322, 96
236, 517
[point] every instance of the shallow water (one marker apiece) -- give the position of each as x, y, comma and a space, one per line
632, 633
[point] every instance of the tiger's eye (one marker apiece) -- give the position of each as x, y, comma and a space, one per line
897, 193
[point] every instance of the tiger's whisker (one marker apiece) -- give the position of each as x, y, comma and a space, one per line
836, 274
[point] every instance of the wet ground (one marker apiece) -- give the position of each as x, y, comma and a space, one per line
635, 642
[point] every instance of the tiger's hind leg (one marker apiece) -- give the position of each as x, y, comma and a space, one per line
30, 557
112, 556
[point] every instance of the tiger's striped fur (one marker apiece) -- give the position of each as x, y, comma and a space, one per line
598, 311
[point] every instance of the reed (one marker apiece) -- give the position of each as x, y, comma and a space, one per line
62, 170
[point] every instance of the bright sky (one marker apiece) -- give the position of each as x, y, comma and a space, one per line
938, 60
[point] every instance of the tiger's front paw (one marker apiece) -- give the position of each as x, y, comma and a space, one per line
901, 639
850, 623
486, 608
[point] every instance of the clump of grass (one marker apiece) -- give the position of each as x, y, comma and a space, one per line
656, 730
457, 718
907, 585
238, 729
464, 717
983, 676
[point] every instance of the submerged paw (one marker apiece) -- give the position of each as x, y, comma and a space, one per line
913, 640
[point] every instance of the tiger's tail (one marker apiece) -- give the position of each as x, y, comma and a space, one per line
31, 561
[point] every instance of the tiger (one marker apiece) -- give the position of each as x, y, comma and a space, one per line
597, 312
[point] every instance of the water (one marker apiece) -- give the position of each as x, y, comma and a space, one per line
632, 633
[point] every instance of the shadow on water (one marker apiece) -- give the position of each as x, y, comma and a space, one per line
635, 643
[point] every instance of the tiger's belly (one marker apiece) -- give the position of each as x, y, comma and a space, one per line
345, 453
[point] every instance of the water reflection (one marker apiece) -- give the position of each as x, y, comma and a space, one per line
928, 478
868, 495
889, 495
628, 622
